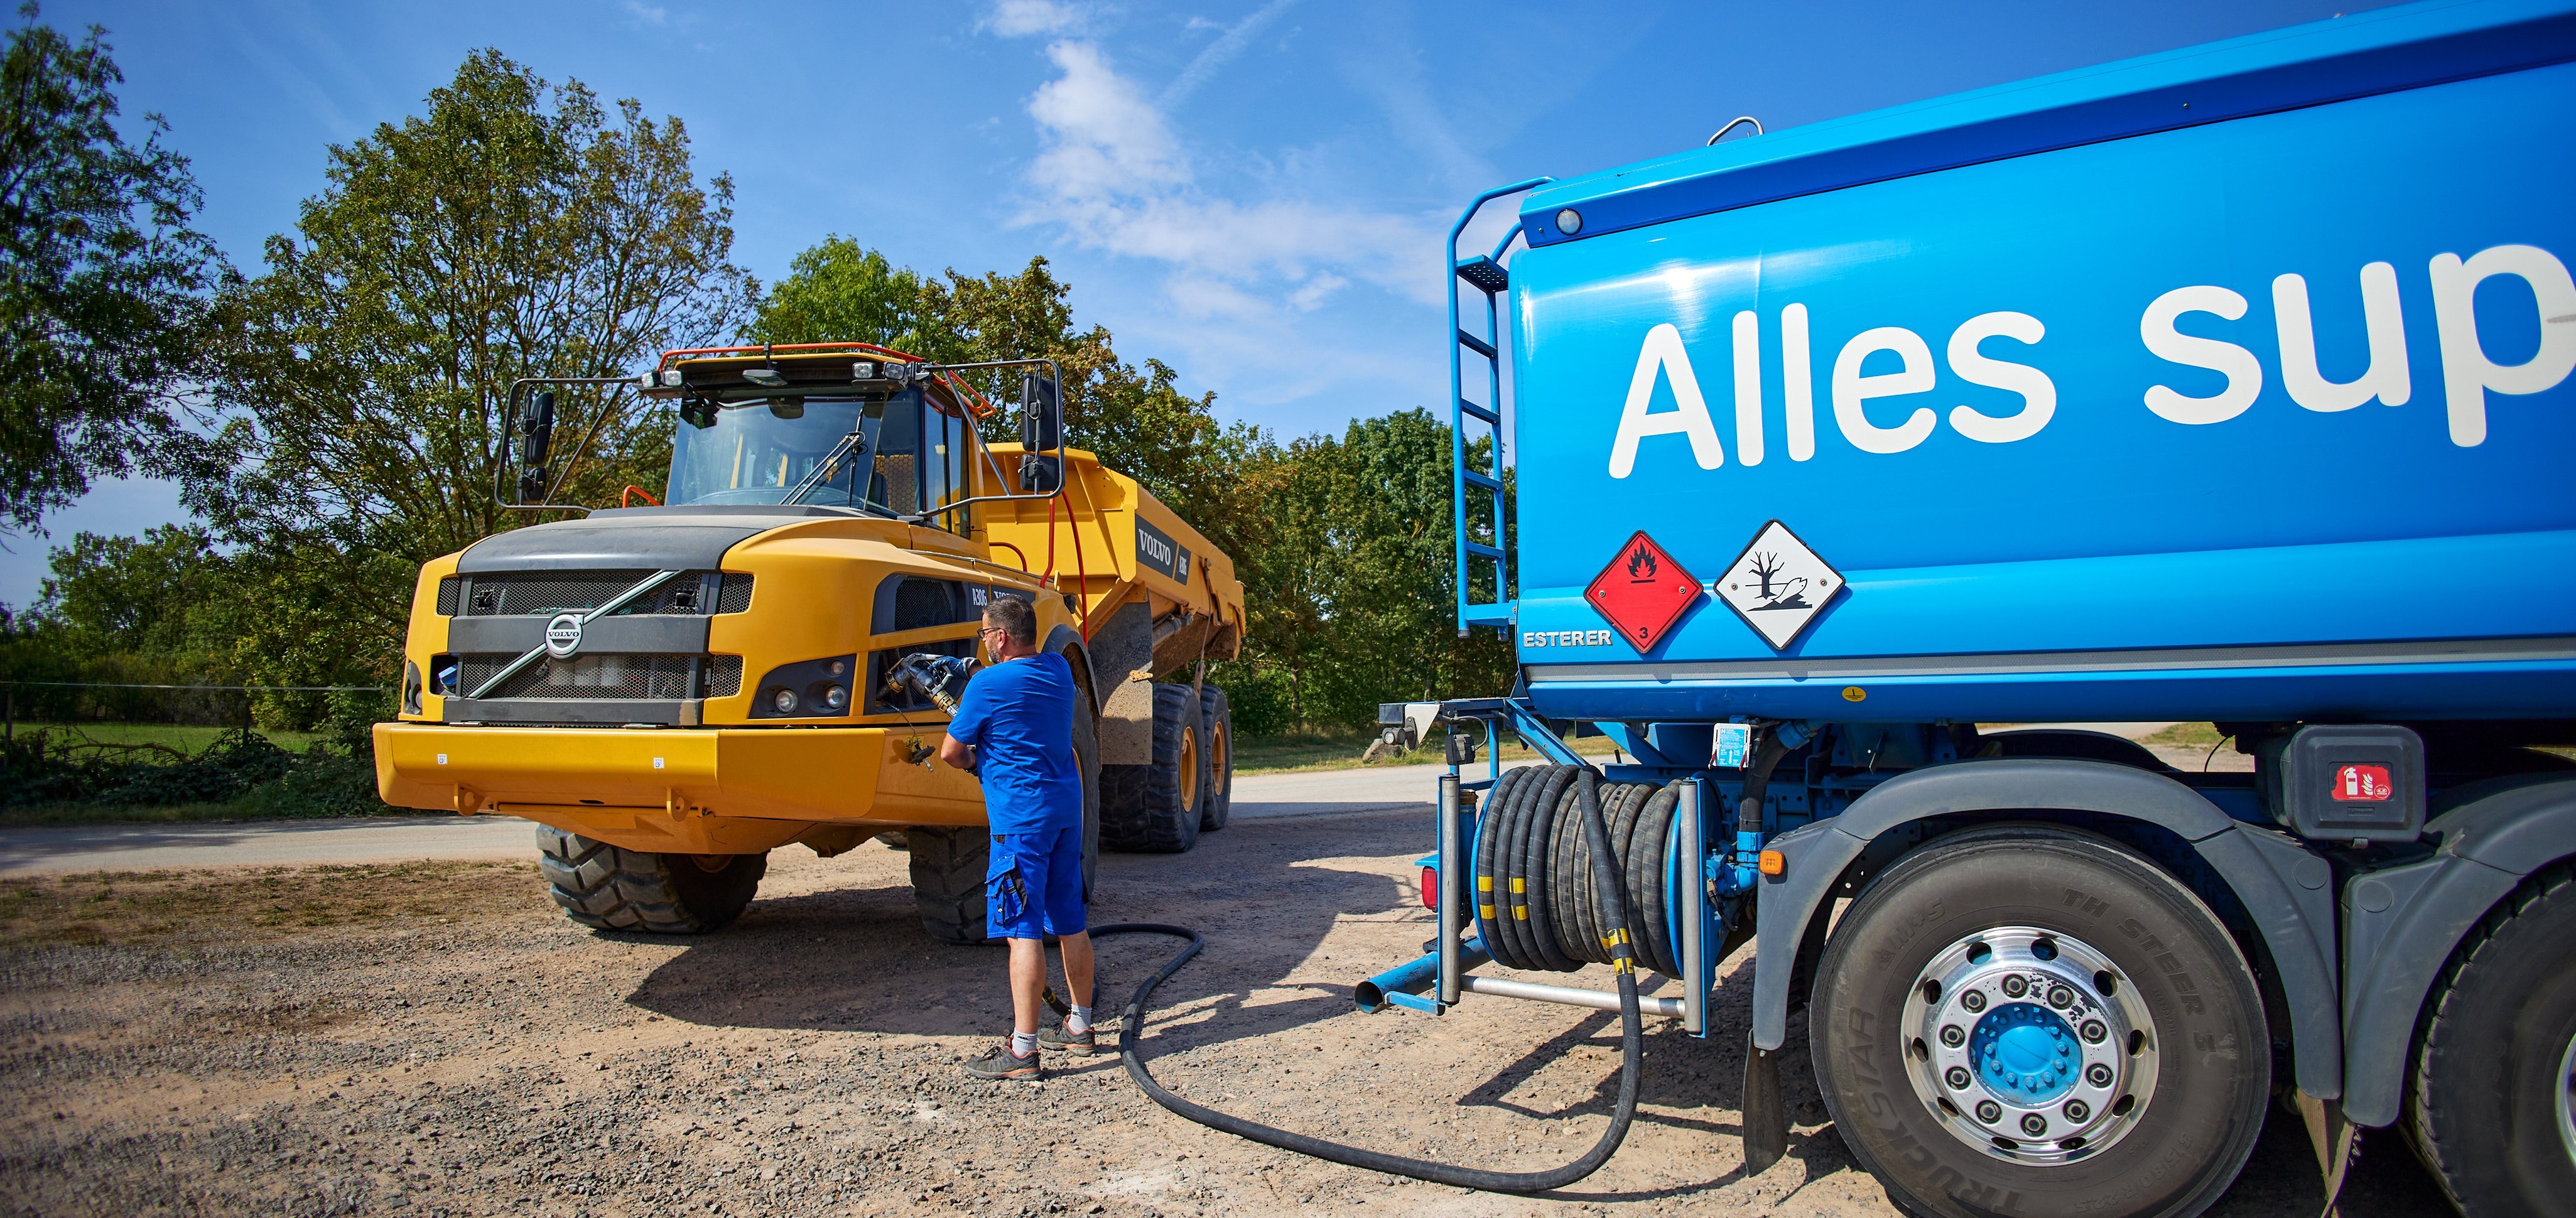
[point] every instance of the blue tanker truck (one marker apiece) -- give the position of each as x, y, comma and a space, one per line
2225, 385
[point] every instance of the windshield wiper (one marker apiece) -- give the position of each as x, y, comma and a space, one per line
851, 447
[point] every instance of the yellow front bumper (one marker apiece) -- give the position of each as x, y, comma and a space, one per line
669, 789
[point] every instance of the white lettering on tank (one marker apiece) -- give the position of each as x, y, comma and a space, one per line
1798, 382
2382, 320
2038, 393
1748, 388
2244, 372
1852, 390
2467, 373
1662, 354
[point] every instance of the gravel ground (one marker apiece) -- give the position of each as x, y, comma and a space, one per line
432, 1038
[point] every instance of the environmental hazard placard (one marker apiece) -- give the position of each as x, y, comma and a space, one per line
1643, 592
1778, 585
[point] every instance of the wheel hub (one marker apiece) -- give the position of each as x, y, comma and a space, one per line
2030, 1045
2567, 1098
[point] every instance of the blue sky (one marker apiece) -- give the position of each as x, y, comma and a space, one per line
1254, 192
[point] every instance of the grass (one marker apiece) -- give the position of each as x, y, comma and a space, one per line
186, 737
152, 907
2187, 735
1310, 749
34, 815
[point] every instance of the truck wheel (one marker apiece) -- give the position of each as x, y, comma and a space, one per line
1154, 809
1086, 755
2493, 1112
1216, 719
948, 863
612, 888
2027, 1019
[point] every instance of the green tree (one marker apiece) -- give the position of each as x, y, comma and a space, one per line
102, 282
838, 292
516, 229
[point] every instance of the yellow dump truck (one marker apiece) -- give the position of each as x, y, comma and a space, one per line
672, 691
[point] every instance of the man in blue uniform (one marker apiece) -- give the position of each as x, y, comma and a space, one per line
1014, 731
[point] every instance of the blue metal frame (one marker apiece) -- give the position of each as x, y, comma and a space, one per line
1498, 613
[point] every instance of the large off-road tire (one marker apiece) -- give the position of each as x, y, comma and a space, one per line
948, 864
1216, 725
2493, 1108
2029, 1019
1155, 808
612, 888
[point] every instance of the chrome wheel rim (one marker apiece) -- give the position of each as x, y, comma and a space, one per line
2032, 1046
2567, 1099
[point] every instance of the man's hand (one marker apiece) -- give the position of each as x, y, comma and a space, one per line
956, 754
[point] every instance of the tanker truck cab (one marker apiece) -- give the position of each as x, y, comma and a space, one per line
673, 689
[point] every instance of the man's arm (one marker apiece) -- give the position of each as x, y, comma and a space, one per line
955, 753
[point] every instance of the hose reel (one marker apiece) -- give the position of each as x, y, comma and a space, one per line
1537, 905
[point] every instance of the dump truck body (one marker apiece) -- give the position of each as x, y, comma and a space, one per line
710, 677
2230, 384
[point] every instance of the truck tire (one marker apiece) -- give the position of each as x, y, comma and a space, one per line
2493, 1109
2030, 1019
1216, 719
948, 864
1155, 808
609, 887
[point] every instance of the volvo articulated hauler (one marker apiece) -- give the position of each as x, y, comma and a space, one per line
671, 692
2231, 385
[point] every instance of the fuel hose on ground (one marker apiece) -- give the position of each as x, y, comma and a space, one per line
1611, 912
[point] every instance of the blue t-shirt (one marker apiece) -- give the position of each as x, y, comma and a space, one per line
1018, 717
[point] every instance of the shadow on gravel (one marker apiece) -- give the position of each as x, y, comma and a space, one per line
856, 959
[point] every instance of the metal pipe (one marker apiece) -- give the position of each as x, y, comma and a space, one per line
1453, 889
1566, 995
1694, 895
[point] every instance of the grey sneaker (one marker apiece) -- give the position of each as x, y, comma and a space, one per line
1085, 1042
1001, 1065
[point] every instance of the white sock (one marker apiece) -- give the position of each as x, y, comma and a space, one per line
1023, 1043
1079, 1022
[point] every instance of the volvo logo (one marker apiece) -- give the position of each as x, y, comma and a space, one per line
563, 635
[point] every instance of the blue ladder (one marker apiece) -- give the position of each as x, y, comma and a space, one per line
1484, 273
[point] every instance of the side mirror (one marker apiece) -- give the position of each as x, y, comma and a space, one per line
537, 431
1041, 415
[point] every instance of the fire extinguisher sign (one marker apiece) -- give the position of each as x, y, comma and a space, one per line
2363, 784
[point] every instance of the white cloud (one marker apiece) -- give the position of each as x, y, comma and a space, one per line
1021, 18
1221, 52
1114, 178
649, 14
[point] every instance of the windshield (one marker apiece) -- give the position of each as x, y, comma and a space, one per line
760, 452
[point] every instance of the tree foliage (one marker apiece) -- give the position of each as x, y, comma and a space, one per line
516, 229
102, 282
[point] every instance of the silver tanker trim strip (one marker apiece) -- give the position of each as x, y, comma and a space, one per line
1791, 668
512, 669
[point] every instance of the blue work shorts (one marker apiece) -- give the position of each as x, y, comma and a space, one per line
1033, 887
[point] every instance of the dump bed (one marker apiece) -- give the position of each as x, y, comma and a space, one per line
2231, 383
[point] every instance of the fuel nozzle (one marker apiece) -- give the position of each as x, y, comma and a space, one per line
936, 677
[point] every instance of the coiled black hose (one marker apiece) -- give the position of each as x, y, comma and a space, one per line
1614, 914
1539, 901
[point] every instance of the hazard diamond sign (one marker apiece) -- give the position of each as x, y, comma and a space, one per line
1643, 592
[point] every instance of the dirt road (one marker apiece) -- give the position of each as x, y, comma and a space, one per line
432, 1038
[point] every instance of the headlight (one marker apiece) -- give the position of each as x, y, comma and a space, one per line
835, 698
784, 701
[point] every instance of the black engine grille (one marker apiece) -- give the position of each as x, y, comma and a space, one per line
667, 677
544, 593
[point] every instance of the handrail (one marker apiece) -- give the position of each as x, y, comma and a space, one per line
1493, 401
